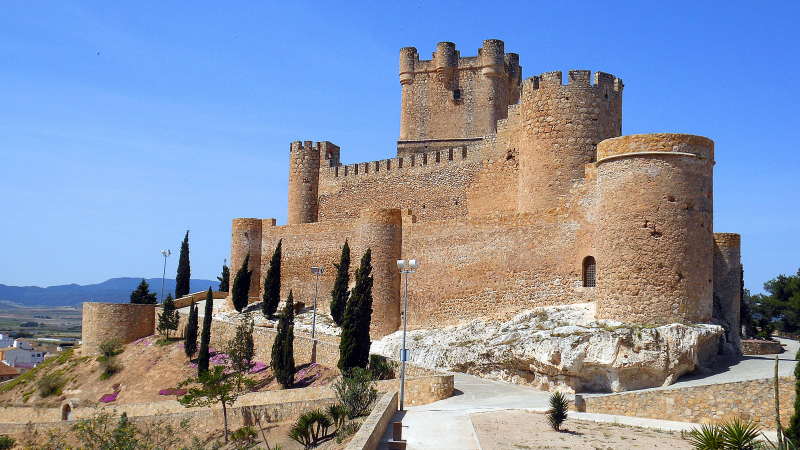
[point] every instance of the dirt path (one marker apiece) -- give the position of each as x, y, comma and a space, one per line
519, 429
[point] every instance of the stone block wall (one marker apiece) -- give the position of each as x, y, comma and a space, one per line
759, 347
751, 400
124, 322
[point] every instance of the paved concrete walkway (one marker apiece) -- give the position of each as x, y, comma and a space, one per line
446, 424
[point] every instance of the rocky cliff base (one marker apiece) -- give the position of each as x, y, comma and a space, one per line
562, 348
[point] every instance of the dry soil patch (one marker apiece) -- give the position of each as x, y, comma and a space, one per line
520, 429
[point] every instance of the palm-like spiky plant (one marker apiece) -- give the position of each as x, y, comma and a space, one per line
741, 435
557, 414
707, 437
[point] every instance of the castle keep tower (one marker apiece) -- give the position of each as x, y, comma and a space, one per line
562, 125
450, 101
655, 254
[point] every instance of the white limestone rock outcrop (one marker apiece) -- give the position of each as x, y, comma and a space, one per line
562, 348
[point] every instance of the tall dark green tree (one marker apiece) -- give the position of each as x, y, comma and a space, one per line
340, 293
354, 343
272, 284
142, 296
778, 310
184, 271
241, 349
205, 336
241, 285
224, 278
168, 319
282, 359
190, 332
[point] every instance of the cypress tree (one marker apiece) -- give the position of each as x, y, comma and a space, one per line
205, 336
190, 332
282, 359
340, 293
184, 272
354, 343
241, 285
168, 319
224, 278
272, 284
142, 296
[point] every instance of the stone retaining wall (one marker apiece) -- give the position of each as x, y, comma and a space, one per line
186, 300
752, 400
759, 347
369, 435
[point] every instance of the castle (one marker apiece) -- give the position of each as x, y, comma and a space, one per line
512, 194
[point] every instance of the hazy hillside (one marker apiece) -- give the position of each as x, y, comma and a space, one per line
114, 290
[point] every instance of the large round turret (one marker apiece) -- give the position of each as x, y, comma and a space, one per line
654, 235
303, 183
563, 123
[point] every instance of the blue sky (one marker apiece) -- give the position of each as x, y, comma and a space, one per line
123, 124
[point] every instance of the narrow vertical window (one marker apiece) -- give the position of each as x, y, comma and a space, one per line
589, 272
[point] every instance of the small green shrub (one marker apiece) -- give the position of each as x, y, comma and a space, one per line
557, 414
110, 367
382, 368
348, 429
310, 428
244, 438
50, 384
7, 443
338, 415
734, 434
110, 348
355, 391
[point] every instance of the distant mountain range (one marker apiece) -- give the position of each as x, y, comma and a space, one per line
115, 290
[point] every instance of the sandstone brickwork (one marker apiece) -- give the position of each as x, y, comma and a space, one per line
124, 322
512, 194
728, 285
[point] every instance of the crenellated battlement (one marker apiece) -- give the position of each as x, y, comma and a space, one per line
416, 161
582, 78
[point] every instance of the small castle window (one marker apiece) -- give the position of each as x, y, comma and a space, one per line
589, 272
457, 94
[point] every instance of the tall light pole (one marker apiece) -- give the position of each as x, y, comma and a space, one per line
405, 267
166, 253
316, 271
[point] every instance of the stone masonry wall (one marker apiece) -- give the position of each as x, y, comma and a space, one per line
654, 228
124, 322
453, 97
751, 400
728, 285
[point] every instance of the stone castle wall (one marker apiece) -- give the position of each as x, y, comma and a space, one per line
450, 97
654, 229
728, 285
124, 322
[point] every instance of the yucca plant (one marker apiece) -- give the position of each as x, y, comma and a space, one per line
707, 437
310, 428
557, 414
740, 434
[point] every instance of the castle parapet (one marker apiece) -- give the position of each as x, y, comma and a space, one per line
393, 165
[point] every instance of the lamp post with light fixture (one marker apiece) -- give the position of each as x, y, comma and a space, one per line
316, 271
166, 253
405, 267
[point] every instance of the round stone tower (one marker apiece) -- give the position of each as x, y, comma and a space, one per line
123, 322
728, 286
563, 123
381, 230
246, 238
303, 182
654, 235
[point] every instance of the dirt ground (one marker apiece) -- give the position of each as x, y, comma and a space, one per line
146, 369
515, 429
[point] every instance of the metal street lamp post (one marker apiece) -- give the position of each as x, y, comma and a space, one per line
405, 267
316, 271
166, 253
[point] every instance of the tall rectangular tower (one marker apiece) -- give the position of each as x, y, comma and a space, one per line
450, 101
